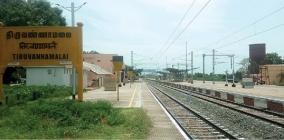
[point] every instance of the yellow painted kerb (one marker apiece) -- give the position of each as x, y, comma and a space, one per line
132, 98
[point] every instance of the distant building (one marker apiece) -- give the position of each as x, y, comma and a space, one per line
272, 74
95, 74
102, 60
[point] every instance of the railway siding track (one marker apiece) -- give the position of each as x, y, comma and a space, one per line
262, 115
192, 122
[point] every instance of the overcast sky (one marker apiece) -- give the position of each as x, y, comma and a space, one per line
143, 26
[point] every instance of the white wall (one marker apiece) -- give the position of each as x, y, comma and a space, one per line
51, 76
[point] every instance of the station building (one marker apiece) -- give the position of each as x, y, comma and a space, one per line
105, 62
92, 76
272, 74
102, 60
95, 75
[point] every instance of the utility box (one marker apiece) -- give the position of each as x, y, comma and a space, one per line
247, 83
109, 84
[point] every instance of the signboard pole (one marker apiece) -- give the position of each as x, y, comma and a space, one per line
117, 92
73, 68
1, 89
117, 67
130, 81
117, 85
1, 67
73, 82
79, 67
80, 82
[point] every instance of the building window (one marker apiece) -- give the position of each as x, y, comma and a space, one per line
49, 71
69, 71
65, 71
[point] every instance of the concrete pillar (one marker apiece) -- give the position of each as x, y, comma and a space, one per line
1, 89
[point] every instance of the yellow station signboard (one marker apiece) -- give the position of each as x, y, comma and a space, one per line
130, 74
117, 66
41, 46
117, 63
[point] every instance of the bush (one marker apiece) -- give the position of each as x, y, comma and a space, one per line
21, 94
115, 118
63, 118
104, 108
67, 111
281, 84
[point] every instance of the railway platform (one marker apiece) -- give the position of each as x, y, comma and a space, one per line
265, 91
261, 96
138, 95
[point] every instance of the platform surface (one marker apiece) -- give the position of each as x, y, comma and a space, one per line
138, 95
266, 91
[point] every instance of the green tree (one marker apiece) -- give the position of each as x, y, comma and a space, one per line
30, 13
138, 72
239, 75
272, 58
90, 52
243, 70
198, 75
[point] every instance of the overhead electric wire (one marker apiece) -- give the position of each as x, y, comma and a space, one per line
189, 23
251, 35
139, 55
246, 26
178, 25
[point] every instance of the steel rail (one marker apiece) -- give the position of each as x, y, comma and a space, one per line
195, 94
226, 134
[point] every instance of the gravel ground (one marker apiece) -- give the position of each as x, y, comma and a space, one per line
245, 126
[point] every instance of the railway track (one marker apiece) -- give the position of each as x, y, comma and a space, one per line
191, 121
273, 118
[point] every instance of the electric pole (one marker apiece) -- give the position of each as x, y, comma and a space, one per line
234, 85
132, 59
226, 84
73, 68
233, 69
186, 71
132, 65
191, 67
73, 14
203, 68
73, 9
166, 62
213, 72
214, 63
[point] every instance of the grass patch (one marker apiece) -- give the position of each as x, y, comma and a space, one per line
59, 118
21, 94
281, 84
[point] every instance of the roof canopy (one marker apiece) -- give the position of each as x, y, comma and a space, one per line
95, 68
